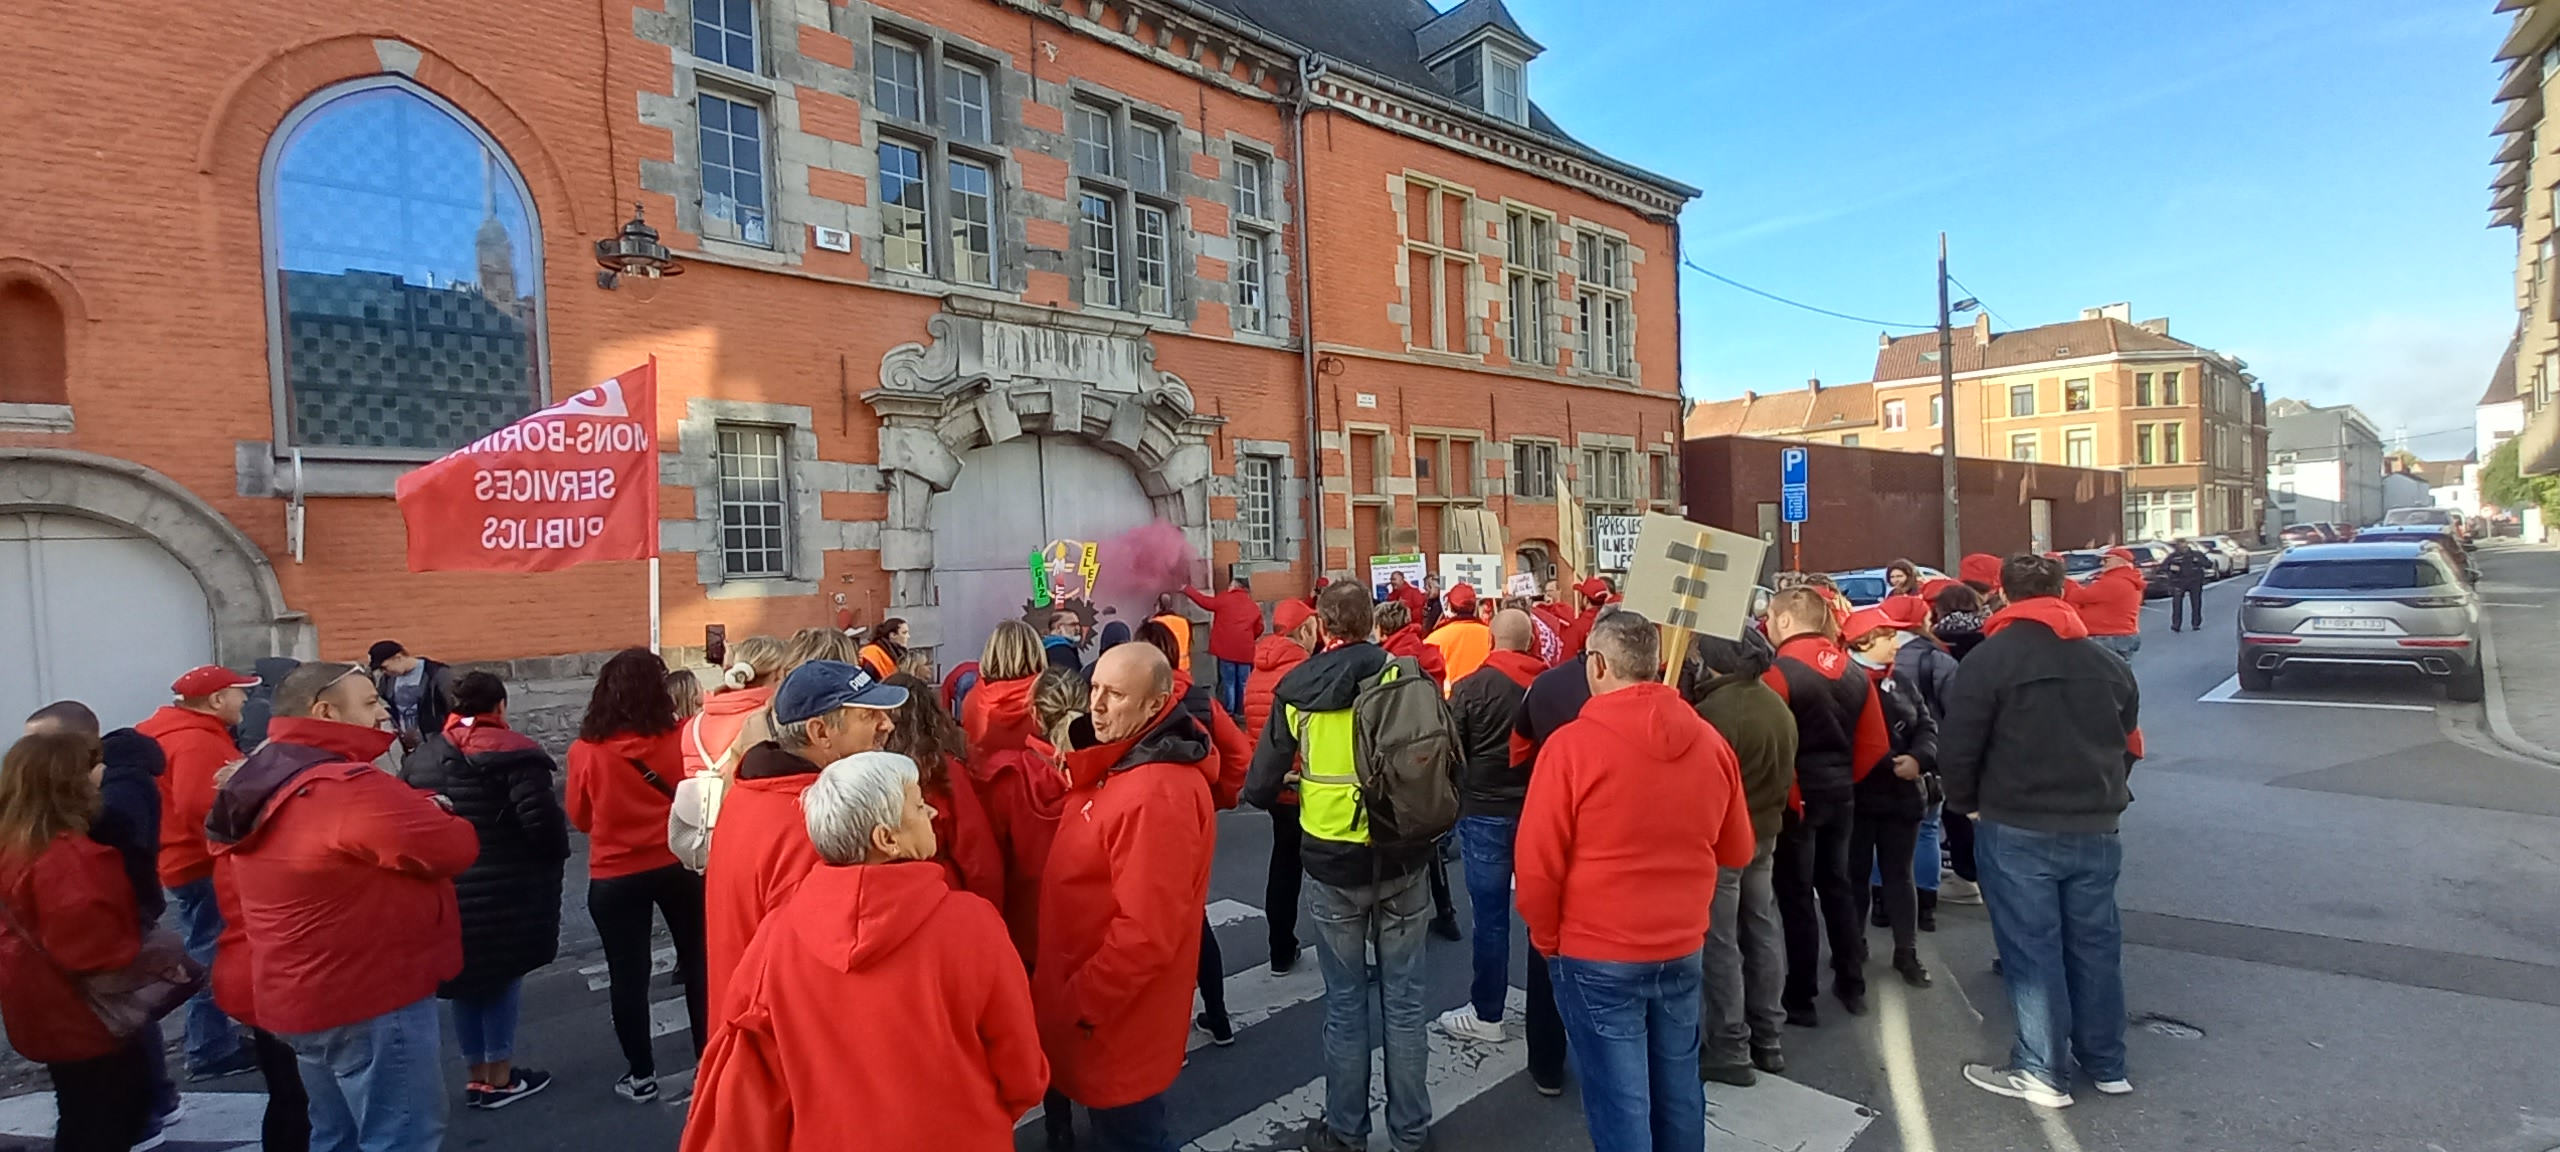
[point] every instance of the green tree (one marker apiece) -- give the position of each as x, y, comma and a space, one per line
2502, 486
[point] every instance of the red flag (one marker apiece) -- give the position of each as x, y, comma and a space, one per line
575, 482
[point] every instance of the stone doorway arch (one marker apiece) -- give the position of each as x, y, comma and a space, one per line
250, 619
995, 371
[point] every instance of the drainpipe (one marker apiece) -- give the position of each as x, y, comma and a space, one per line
1310, 67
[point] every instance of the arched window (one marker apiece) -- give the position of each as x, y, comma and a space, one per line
34, 367
404, 275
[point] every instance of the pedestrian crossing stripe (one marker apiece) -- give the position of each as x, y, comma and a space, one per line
213, 1120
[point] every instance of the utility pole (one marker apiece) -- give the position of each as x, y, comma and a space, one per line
1947, 416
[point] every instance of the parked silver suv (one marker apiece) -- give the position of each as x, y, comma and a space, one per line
2397, 603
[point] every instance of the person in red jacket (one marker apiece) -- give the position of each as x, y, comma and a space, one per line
2111, 603
1235, 624
1400, 633
823, 711
1121, 905
194, 734
965, 842
1019, 791
1596, 593
623, 770
1840, 734
1417, 602
1633, 808
1235, 755
345, 877
1295, 634
69, 912
877, 1007
287, 1122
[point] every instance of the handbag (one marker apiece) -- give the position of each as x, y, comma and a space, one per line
160, 978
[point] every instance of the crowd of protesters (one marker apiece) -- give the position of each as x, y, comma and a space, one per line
950, 903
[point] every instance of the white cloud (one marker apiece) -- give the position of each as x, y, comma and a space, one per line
2423, 374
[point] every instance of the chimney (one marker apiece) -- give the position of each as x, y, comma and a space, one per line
1884, 340
1813, 385
1749, 396
1982, 329
2159, 327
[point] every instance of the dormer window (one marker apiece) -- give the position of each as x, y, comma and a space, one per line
1505, 85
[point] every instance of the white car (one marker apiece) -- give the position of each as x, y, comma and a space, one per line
1866, 586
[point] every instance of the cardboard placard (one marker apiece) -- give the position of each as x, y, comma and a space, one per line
1692, 577
1409, 563
1523, 585
1614, 541
1481, 571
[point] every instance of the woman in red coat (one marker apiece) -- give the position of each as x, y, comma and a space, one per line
1019, 790
965, 843
69, 914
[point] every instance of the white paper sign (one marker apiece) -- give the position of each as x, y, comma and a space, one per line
1409, 563
1613, 542
1692, 576
1482, 572
1524, 584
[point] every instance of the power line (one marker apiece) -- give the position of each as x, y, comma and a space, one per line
1694, 266
1977, 299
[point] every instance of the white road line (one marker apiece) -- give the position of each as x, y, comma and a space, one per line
2507, 604
668, 1017
1459, 1072
2228, 692
1225, 912
220, 1119
661, 962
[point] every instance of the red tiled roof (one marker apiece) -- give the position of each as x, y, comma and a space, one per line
1903, 357
1841, 406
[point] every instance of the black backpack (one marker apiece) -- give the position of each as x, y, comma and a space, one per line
1404, 748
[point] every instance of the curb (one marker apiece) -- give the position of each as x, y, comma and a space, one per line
2501, 728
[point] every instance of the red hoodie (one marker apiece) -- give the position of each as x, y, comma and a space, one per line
758, 855
997, 715
1408, 641
75, 900
1120, 911
1024, 790
1634, 806
2110, 605
196, 746
622, 813
964, 839
345, 877
1273, 657
1235, 622
876, 1001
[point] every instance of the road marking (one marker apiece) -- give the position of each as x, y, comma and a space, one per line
224, 1120
668, 1017
1225, 912
2507, 604
599, 978
2228, 692
1459, 1072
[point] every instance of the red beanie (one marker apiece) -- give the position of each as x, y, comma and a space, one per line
1981, 568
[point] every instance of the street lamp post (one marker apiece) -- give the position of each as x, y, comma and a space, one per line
1954, 539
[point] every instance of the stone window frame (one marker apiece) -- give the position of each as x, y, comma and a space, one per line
2033, 439
1121, 190
782, 472
1587, 443
1662, 464
1427, 337
1474, 496
1288, 503
942, 146
757, 88
279, 390
1618, 290
1540, 275
696, 465
1279, 304
1555, 469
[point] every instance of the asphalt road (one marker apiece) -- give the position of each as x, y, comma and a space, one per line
2341, 934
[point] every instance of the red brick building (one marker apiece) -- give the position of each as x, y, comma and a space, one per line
959, 278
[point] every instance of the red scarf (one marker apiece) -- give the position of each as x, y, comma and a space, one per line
1521, 667
2049, 611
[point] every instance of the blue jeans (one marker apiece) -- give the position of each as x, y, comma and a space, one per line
485, 1025
1231, 678
1396, 912
2125, 645
1924, 857
2052, 899
1485, 842
211, 1037
1138, 1127
374, 1084
1634, 1029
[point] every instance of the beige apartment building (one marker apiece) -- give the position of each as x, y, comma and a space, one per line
2186, 424
2523, 194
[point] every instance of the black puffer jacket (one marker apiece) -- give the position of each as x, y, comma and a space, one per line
1882, 794
1493, 777
502, 783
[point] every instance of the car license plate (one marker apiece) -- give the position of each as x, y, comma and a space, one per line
2347, 624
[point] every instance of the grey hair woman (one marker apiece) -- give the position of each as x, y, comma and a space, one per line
868, 808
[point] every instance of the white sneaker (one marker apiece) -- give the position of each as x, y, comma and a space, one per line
1954, 889
2016, 1085
2114, 1087
1462, 1023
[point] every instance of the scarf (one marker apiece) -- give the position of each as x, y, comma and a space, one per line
2049, 611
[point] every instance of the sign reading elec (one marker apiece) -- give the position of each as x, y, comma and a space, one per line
573, 483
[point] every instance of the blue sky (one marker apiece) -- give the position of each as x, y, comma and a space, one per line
2303, 185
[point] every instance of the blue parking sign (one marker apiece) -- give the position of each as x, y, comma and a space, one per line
1793, 498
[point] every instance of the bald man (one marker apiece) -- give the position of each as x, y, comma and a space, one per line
1122, 900
1493, 777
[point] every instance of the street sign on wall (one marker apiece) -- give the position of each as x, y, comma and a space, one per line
1794, 497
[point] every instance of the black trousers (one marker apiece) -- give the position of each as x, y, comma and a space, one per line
1884, 844
104, 1102
620, 907
1280, 890
1546, 1025
1213, 972
2190, 597
1440, 909
287, 1127
1816, 897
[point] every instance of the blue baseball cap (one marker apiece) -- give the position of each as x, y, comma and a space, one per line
822, 686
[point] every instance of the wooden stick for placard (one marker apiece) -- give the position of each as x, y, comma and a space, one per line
1675, 652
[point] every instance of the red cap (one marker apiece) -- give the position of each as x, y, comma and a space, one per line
1595, 589
2124, 554
1287, 615
206, 681
1930, 588
1461, 598
1866, 620
1980, 568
